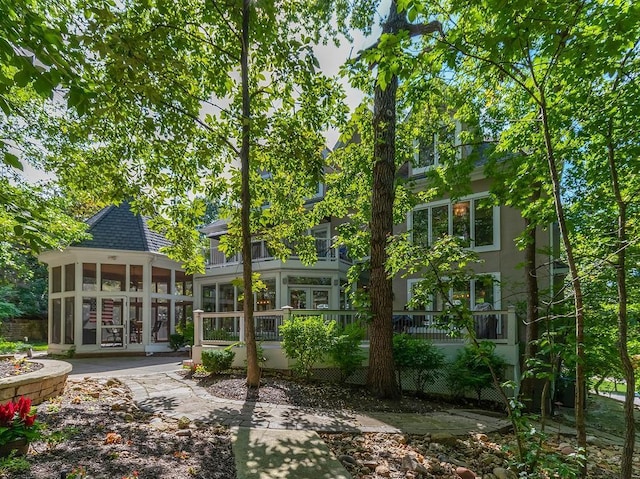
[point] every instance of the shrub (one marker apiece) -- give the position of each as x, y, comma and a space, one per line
177, 341
307, 340
346, 352
470, 370
217, 360
185, 328
417, 355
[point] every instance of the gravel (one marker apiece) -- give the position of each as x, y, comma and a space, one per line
15, 367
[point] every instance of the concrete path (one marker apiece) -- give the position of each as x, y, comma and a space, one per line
269, 441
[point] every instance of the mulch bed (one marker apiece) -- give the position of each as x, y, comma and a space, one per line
321, 395
95, 431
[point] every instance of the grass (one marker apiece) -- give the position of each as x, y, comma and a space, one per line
610, 386
604, 414
10, 347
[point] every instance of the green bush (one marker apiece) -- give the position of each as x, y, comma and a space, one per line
217, 360
307, 339
177, 341
346, 352
470, 370
419, 356
185, 328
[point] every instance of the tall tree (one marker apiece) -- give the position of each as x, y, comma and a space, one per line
385, 56
168, 123
535, 51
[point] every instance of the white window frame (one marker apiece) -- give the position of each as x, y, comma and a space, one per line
497, 295
472, 199
416, 156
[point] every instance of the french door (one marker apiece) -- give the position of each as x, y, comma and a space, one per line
303, 297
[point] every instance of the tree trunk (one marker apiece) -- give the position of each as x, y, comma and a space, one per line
531, 389
626, 468
381, 378
253, 369
578, 302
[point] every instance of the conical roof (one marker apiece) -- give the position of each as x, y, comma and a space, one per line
117, 227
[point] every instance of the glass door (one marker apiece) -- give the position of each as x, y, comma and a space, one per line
319, 298
113, 322
309, 297
298, 298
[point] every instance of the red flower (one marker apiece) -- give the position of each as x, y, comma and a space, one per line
7, 412
29, 420
24, 407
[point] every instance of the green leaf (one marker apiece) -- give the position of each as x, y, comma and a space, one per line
12, 160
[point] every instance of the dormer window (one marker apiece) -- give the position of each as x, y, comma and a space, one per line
430, 148
425, 154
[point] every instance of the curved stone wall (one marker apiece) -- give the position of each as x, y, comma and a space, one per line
39, 385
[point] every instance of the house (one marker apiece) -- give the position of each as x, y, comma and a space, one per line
495, 292
118, 293
115, 292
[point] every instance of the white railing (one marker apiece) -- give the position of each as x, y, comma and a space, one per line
260, 252
497, 326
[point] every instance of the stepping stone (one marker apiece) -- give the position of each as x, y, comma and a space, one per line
286, 454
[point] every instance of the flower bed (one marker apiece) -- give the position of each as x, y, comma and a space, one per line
39, 385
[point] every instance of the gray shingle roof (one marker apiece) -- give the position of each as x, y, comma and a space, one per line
117, 227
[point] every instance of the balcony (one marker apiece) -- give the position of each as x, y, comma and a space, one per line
260, 252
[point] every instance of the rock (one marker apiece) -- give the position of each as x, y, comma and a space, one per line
112, 382
118, 406
128, 417
346, 459
444, 438
183, 432
383, 470
371, 465
482, 437
118, 392
410, 463
184, 422
502, 473
465, 473
567, 450
489, 460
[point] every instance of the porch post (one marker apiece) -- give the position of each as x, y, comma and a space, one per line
512, 326
197, 327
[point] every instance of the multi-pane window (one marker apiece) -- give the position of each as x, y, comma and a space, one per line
474, 221
483, 289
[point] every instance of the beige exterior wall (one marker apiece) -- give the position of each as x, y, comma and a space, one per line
506, 262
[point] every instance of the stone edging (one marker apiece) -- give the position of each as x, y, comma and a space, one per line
39, 385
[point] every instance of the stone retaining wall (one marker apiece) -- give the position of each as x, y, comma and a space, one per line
18, 329
39, 385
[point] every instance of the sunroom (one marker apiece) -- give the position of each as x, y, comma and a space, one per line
116, 292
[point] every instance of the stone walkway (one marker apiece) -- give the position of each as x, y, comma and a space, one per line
170, 394
275, 441
269, 441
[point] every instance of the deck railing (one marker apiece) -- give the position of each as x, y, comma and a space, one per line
499, 326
